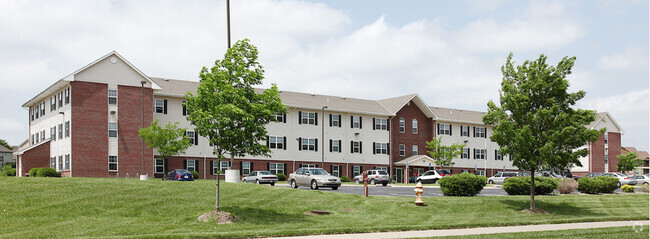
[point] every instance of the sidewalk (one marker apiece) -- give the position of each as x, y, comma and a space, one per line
478, 231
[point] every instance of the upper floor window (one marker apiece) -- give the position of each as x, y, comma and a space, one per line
414, 150
185, 111
444, 129
479, 153
606, 138
480, 132
308, 118
43, 108
31, 112
67, 96
356, 122
402, 150
280, 117
402, 125
43, 135
335, 120
67, 129
415, 126
53, 133
380, 148
465, 154
277, 142
60, 99
310, 144
53, 103
112, 97
464, 130
497, 155
60, 131
192, 136
381, 124
335, 145
112, 129
355, 147
160, 106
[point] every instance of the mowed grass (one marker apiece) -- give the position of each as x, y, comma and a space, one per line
87, 207
637, 232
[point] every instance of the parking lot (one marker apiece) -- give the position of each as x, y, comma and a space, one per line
401, 191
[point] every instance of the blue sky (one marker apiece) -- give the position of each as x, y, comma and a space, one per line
449, 52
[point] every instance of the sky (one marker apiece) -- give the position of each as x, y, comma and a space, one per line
448, 52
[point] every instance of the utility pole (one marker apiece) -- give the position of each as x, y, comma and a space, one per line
228, 20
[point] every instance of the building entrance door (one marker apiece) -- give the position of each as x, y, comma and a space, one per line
399, 175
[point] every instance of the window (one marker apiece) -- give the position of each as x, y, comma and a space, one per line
479, 153
191, 165
32, 139
60, 163
67, 96
159, 106
52, 163
280, 117
335, 145
606, 155
276, 142
480, 132
415, 126
308, 165
497, 155
112, 163
53, 133
190, 136
67, 129
31, 113
356, 170
53, 103
402, 125
444, 129
415, 150
246, 168
215, 167
67, 162
402, 150
276, 168
184, 105
336, 170
38, 111
335, 120
308, 118
60, 99
480, 172
159, 166
381, 124
356, 122
381, 148
112, 97
356, 146
225, 165
606, 138
309, 144
464, 130
465, 154
43, 108
60, 131
112, 129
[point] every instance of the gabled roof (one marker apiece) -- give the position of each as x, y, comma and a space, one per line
604, 116
395, 104
458, 116
20, 152
639, 154
416, 160
4, 149
69, 78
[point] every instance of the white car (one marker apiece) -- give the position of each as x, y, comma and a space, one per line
499, 178
260, 177
432, 176
643, 179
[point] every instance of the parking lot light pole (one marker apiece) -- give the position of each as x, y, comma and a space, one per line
322, 165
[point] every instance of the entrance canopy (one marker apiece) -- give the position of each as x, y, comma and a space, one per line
416, 161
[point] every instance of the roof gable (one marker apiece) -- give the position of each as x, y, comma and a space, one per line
605, 120
393, 105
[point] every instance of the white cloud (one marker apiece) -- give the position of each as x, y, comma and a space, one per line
633, 58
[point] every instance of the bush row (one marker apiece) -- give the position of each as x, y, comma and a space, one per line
44, 172
521, 185
597, 185
464, 184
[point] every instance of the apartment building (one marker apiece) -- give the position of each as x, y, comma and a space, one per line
602, 152
643, 155
85, 125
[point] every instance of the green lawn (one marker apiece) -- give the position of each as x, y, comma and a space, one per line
596, 233
84, 207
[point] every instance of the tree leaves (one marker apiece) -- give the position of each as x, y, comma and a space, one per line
169, 140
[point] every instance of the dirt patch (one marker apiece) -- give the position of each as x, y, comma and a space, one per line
536, 211
349, 210
220, 217
315, 213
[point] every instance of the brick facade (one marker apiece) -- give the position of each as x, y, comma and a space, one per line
425, 132
89, 129
614, 149
37, 157
130, 145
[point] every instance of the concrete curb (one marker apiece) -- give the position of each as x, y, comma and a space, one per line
479, 230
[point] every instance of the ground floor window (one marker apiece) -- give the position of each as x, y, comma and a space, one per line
225, 165
480, 172
382, 168
52, 162
60, 162
418, 172
191, 165
159, 166
215, 167
276, 168
246, 168
67, 162
336, 170
112, 163
356, 170
464, 171
309, 165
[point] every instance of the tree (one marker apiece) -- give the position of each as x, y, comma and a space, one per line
443, 155
169, 141
535, 123
627, 162
229, 111
4, 143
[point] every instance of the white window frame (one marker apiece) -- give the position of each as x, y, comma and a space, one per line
278, 117
224, 165
382, 168
381, 148
336, 170
43, 135
465, 154
276, 168
112, 95
67, 162
215, 167
159, 104
61, 131
246, 168
480, 153
464, 130
53, 103
414, 126
381, 124
308, 118
115, 162
414, 149
276, 142
499, 156
53, 133
445, 129
110, 128
60, 163
480, 132
67, 129
356, 170
190, 135
60, 99
356, 122
479, 172
309, 144
188, 166
402, 125
336, 146
43, 108
159, 162
52, 163
356, 147
336, 120
402, 150
310, 165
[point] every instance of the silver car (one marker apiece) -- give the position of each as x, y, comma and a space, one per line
314, 178
260, 177
642, 179
499, 178
622, 178
375, 176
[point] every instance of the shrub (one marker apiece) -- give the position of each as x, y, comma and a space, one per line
644, 188
627, 188
521, 185
463, 184
34, 172
9, 172
608, 184
345, 179
281, 177
195, 174
567, 186
597, 185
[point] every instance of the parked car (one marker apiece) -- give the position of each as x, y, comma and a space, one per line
432, 176
179, 175
499, 178
523, 174
374, 177
593, 175
259, 177
642, 179
622, 178
313, 177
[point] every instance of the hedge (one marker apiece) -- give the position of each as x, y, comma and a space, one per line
464, 184
195, 174
602, 184
521, 185
44, 172
345, 179
281, 177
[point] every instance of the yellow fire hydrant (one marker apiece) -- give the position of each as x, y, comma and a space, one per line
418, 194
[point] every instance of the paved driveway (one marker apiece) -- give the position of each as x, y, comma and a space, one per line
402, 191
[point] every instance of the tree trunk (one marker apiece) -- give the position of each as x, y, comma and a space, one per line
532, 189
216, 204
